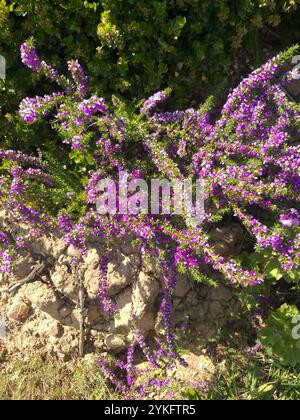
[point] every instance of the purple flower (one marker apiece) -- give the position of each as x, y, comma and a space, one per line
291, 219
153, 101
30, 58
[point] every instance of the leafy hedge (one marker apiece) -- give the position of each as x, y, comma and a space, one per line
141, 46
183, 44
62, 28
129, 48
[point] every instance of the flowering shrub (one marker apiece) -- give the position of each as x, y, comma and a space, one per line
246, 157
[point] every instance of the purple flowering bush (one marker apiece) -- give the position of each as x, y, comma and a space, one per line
246, 155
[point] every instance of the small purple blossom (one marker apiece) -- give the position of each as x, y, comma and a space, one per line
291, 219
152, 102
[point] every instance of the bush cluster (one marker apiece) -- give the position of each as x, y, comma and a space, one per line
247, 157
137, 47
130, 48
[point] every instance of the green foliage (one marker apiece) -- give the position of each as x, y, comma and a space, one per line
134, 47
254, 378
280, 337
267, 262
184, 44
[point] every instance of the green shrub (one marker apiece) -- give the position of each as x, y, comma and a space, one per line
64, 29
280, 337
184, 44
141, 46
130, 48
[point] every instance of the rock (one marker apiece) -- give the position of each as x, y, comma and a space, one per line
64, 312
127, 248
203, 291
183, 286
206, 330
144, 294
115, 343
176, 303
94, 313
124, 304
56, 330
73, 320
92, 258
71, 251
43, 298
134, 285
151, 266
23, 267
216, 309
59, 247
198, 368
19, 311
220, 293
203, 364
121, 273
43, 246
147, 323
293, 88
2, 329
226, 240
200, 311
91, 281
138, 302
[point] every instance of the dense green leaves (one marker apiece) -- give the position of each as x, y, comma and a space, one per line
281, 336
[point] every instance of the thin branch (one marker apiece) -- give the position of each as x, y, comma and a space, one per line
81, 304
35, 275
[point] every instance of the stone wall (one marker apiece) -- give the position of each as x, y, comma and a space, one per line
49, 312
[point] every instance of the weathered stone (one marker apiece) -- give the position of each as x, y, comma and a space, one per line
200, 311
220, 293
146, 324
91, 282
59, 247
23, 267
92, 258
124, 304
56, 330
293, 88
176, 303
94, 313
41, 297
135, 287
19, 311
127, 248
121, 273
144, 294
216, 309
65, 311
115, 343
198, 368
42, 246
71, 251
226, 240
2, 327
183, 286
